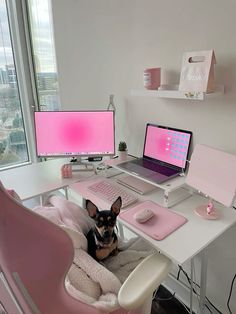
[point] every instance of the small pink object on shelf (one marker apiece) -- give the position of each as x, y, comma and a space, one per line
152, 78
197, 73
66, 171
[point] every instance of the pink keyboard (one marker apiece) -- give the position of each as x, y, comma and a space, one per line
109, 191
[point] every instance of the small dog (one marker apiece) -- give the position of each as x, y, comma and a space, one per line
102, 239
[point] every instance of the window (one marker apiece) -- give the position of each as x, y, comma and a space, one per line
22, 73
13, 144
40, 19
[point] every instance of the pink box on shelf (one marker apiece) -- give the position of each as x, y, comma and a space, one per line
152, 78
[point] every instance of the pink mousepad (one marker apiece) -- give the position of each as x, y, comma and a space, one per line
163, 223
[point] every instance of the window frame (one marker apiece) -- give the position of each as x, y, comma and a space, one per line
25, 84
22, 49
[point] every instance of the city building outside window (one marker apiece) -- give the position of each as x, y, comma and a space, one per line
13, 144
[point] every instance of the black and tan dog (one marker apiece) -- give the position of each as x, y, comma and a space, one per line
102, 239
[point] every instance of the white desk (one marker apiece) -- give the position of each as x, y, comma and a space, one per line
168, 187
181, 246
187, 241
39, 178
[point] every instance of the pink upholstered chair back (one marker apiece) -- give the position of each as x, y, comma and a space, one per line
35, 256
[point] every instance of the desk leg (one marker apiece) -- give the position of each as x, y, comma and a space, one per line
83, 203
191, 288
203, 281
121, 230
41, 200
66, 192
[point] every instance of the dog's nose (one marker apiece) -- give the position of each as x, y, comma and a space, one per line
106, 234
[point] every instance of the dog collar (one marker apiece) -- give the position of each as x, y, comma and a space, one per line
101, 244
98, 240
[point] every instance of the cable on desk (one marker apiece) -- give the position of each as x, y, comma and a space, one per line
186, 308
194, 291
162, 299
168, 299
132, 156
230, 293
189, 281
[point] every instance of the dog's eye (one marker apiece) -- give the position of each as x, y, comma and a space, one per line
111, 223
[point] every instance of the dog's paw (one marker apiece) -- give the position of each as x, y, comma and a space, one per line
114, 244
114, 248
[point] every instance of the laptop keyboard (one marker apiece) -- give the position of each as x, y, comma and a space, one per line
167, 171
138, 164
109, 191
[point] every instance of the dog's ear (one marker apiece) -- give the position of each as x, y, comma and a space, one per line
116, 206
91, 208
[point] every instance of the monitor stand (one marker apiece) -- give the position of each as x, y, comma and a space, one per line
79, 165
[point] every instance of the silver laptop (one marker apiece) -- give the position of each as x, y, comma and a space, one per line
165, 154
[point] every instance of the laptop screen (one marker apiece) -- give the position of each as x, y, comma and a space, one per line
167, 145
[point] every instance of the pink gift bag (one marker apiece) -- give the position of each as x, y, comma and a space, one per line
197, 72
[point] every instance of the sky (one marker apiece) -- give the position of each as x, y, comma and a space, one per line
42, 36
5, 43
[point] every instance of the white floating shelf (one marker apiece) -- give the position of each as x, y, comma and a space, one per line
171, 91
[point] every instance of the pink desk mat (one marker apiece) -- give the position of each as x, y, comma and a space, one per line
163, 223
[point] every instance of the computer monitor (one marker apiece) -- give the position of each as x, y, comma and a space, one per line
74, 133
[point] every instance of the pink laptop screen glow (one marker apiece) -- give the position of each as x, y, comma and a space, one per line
77, 133
167, 145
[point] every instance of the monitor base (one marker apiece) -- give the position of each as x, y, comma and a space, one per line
78, 165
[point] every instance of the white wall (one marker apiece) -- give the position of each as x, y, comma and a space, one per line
102, 48
94, 54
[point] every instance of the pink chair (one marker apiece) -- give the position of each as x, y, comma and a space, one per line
35, 257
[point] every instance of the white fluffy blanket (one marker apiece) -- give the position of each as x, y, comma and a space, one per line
87, 279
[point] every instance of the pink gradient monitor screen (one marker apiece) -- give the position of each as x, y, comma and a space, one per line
74, 133
167, 145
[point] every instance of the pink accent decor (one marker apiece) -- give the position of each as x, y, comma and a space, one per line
210, 208
152, 78
66, 171
163, 223
203, 213
197, 73
39, 253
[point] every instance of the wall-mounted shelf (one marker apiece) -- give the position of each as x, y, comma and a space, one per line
171, 91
